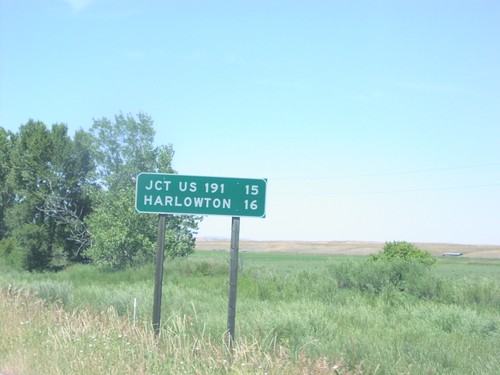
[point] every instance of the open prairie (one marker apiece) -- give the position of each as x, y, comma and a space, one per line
303, 308
344, 247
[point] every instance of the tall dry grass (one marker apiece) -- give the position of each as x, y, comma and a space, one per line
39, 337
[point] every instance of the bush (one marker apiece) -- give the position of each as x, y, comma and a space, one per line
11, 254
28, 248
407, 276
404, 251
121, 237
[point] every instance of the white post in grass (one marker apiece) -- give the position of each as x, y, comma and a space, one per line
135, 312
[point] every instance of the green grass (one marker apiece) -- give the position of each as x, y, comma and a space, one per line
296, 314
469, 267
283, 262
275, 262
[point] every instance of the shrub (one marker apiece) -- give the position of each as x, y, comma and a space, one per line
122, 238
28, 248
11, 254
401, 250
375, 277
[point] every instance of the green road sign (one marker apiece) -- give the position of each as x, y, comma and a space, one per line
164, 193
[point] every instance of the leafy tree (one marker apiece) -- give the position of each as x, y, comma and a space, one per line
6, 196
120, 236
125, 147
72, 184
35, 247
46, 171
28, 179
11, 254
74, 198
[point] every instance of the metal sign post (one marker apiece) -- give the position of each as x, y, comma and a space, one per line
159, 275
233, 280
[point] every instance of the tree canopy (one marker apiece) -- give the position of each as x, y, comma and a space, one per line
70, 199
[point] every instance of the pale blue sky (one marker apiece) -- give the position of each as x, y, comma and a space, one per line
372, 120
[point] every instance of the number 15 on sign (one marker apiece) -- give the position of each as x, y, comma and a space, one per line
251, 204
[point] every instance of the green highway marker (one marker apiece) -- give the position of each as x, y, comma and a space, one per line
165, 193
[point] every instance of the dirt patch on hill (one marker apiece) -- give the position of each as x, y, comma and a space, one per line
345, 247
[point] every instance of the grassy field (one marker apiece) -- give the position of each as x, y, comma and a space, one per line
297, 313
346, 247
